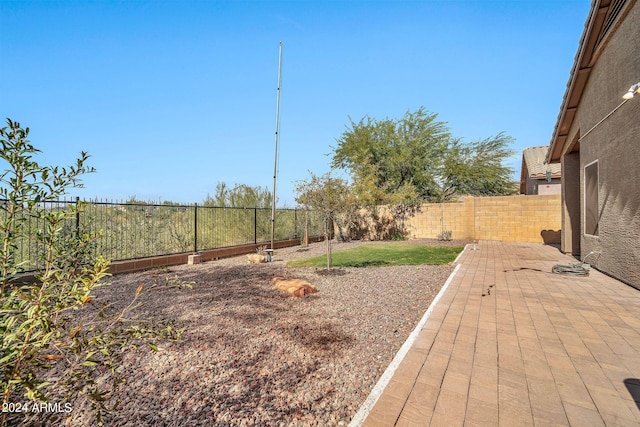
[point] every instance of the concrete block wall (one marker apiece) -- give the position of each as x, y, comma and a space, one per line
435, 217
506, 218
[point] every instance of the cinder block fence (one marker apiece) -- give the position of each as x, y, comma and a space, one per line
507, 218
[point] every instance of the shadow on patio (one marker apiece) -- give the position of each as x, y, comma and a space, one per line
510, 343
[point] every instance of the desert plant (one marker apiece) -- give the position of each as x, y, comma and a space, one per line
446, 235
397, 235
333, 199
415, 159
58, 348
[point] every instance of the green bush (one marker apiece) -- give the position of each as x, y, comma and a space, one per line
39, 323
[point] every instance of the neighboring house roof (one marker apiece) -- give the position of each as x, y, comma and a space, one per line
534, 159
534, 166
603, 16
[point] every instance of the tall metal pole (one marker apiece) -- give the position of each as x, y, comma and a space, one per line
275, 157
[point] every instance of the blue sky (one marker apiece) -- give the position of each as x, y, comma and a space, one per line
170, 97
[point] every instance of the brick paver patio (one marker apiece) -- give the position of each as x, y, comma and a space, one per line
512, 344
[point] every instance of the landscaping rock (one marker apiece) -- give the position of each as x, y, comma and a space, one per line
294, 287
257, 258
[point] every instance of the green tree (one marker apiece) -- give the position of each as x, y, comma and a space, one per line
257, 201
40, 323
391, 161
240, 196
331, 198
415, 159
475, 169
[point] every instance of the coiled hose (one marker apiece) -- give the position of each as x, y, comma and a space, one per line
570, 270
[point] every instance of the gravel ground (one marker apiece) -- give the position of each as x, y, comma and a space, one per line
251, 355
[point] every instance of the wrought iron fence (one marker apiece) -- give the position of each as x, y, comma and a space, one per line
139, 230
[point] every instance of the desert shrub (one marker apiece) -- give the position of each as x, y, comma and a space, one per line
446, 235
50, 353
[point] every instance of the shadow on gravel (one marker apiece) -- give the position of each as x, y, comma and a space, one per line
245, 390
321, 336
250, 354
244, 285
332, 272
373, 263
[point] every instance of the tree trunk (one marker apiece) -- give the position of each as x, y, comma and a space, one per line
306, 228
328, 238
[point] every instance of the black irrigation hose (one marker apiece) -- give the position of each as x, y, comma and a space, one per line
570, 270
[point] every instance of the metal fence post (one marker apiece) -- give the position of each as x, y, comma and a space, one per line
195, 228
255, 226
77, 217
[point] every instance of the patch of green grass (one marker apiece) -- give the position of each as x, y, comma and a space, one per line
383, 254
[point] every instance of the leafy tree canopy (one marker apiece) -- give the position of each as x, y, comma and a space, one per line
325, 193
416, 159
333, 199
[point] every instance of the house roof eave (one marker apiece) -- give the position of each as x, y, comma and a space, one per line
578, 78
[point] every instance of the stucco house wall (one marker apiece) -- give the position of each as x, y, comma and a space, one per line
612, 148
543, 187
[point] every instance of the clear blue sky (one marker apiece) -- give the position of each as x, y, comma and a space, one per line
170, 97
